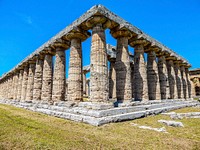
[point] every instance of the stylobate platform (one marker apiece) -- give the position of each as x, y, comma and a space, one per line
102, 113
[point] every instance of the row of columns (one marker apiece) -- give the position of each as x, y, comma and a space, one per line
157, 79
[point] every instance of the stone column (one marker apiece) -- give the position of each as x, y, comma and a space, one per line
112, 80
179, 83
189, 84
99, 90
13, 86
183, 75
47, 78
163, 77
140, 74
37, 86
122, 66
88, 87
24, 83
10, 87
172, 79
132, 79
31, 73
152, 77
59, 76
66, 89
19, 86
75, 73
84, 83
75, 78
6, 88
16, 85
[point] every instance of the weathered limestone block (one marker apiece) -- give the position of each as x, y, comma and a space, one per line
172, 79
75, 78
152, 77
59, 76
184, 81
99, 71
179, 83
123, 70
24, 83
19, 86
163, 77
47, 78
140, 74
31, 73
37, 86
112, 80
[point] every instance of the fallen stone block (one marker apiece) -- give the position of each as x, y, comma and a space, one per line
171, 123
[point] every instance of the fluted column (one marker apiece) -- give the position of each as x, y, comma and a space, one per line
47, 78
179, 83
112, 80
189, 84
152, 77
37, 86
163, 77
10, 87
84, 83
122, 66
132, 79
99, 90
6, 88
140, 74
16, 85
184, 81
75, 78
31, 73
24, 83
88, 87
66, 90
172, 79
19, 86
59, 75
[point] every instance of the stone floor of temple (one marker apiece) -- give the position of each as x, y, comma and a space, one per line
102, 113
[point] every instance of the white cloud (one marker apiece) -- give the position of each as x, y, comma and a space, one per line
25, 18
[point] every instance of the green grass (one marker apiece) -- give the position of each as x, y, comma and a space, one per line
22, 129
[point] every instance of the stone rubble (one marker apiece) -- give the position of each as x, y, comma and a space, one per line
163, 129
171, 123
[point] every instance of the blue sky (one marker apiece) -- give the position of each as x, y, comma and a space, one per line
25, 25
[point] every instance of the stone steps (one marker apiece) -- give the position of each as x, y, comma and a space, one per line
98, 117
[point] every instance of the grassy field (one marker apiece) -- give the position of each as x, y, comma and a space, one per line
22, 129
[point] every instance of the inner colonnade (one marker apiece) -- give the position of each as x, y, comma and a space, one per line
163, 75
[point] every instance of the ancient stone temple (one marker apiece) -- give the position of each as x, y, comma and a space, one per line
137, 69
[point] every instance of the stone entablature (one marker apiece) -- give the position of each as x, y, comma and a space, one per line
131, 75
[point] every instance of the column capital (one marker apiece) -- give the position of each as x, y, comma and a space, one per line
121, 32
77, 33
60, 43
39, 56
94, 20
48, 51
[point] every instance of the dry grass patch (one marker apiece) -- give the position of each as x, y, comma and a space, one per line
23, 129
